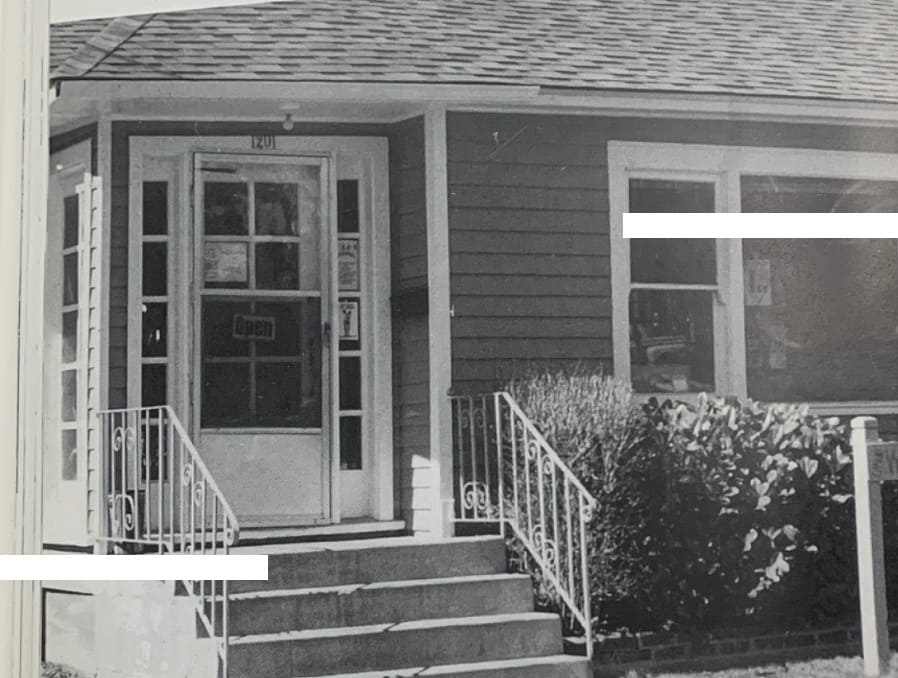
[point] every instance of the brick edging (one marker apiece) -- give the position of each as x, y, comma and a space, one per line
615, 655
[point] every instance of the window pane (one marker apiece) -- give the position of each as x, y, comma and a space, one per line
805, 194
297, 328
225, 208
671, 341
69, 336
349, 331
675, 260
225, 391
350, 383
155, 208
69, 395
70, 279
821, 318
70, 221
310, 228
218, 329
226, 265
69, 455
154, 326
276, 209
277, 266
153, 385
287, 394
155, 269
348, 206
350, 443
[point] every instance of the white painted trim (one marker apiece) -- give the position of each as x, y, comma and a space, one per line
380, 412
371, 154
509, 98
24, 128
439, 322
725, 164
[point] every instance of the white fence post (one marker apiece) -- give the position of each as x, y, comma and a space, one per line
874, 462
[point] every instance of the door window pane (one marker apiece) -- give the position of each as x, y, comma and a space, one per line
70, 279
70, 221
225, 208
69, 395
350, 383
276, 209
155, 269
348, 206
297, 327
69, 336
277, 266
350, 443
821, 317
225, 392
218, 319
69, 455
154, 326
675, 260
671, 340
287, 394
226, 265
153, 385
155, 208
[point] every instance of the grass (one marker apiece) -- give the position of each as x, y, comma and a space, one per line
836, 667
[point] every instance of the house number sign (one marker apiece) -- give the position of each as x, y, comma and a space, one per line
263, 143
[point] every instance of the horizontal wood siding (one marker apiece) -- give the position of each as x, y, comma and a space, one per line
411, 400
528, 236
528, 223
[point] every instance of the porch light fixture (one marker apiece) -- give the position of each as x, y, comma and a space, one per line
288, 122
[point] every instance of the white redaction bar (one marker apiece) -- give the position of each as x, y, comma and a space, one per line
761, 225
87, 567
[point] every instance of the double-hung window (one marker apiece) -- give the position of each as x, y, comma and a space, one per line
773, 319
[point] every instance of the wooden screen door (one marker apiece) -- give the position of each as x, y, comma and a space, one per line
261, 333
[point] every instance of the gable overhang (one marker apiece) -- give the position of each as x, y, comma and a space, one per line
389, 102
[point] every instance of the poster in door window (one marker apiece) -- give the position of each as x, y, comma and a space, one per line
349, 321
225, 262
348, 264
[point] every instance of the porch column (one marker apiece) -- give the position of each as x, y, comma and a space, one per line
24, 34
439, 337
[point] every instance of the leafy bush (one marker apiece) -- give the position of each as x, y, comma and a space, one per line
708, 514
757, 513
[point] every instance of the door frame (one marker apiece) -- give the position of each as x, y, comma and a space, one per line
369, 153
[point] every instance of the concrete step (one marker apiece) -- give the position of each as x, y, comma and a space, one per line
553, 666
257, 612
429, 642
295, 566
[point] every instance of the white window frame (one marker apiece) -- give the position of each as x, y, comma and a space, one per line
723, 164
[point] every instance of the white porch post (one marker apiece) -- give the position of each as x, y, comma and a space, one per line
440, 347
24, 34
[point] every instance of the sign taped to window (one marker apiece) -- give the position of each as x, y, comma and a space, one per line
253, 327
348, 264
349, 320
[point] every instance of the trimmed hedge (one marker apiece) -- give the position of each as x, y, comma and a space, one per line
712, 514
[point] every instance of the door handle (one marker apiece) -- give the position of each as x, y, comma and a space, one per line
326, 333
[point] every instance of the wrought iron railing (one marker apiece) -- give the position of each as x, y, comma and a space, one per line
508, 474
160, 497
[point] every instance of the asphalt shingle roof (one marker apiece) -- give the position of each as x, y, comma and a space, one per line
830, 49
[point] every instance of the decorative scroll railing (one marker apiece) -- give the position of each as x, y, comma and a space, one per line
160, 497
508, 474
